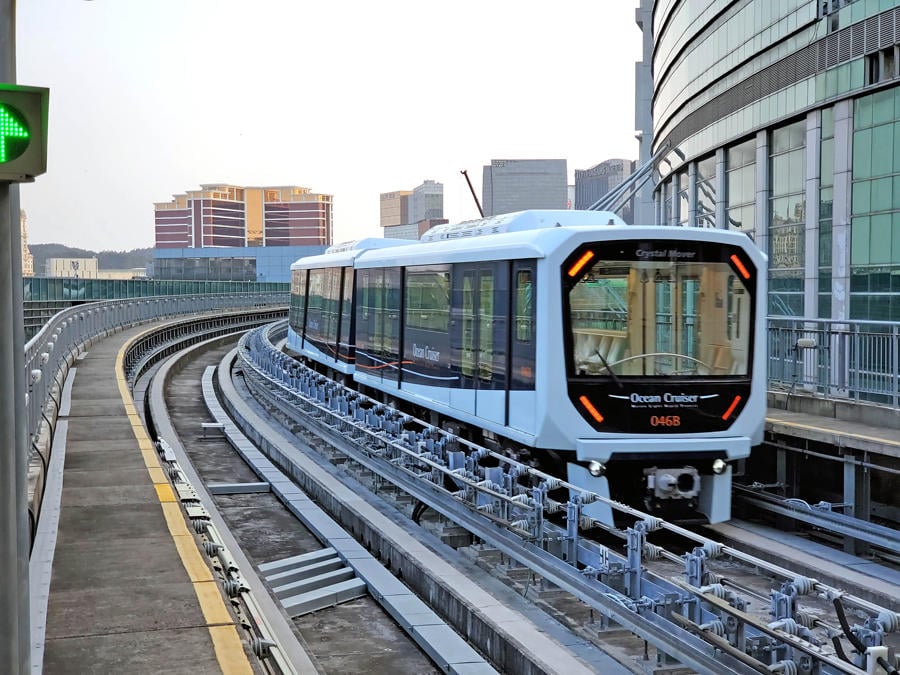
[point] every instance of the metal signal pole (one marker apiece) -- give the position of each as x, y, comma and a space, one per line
15, 638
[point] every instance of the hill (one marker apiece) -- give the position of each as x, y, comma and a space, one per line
106, 260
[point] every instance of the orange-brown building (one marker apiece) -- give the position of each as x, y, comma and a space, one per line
222, 215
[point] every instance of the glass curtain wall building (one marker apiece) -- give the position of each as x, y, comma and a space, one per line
782, 120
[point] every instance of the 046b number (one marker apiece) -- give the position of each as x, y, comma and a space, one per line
665, 421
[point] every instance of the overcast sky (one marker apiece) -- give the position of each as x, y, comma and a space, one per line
149, 98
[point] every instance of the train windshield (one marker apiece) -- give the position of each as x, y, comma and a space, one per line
659, 309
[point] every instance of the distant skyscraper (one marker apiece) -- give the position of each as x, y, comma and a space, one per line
517, 184
594, 183
427, 202
221, 215
27, 258
395, 207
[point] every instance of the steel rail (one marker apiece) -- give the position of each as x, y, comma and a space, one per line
691, 650
317, 399
839, 523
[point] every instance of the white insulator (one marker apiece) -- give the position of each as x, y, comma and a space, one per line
713, 578
805, 619
651, 551
714, 627
712, 549
717, 590
652, 523
522, 499
803, 585
486, 508
36, 376
889, 621
588, 497
553, 483
587, 523
788, 626
519, 524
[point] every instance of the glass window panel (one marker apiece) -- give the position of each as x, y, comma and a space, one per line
862, 154
780, 174
895, 248
861, 200
859, 241
742, 154
880, 239
862, 116
706, 168
881, 194
824, 244
882, 149
883, 106
797, 175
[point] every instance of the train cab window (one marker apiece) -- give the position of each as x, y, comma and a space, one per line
664, 309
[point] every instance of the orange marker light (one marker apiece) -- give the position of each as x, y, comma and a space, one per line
740, 266
582, 261
734, 404
591, 409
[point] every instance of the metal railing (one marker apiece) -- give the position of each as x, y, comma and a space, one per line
50, 353
853, 360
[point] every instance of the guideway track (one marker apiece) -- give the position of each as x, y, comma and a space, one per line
620, 588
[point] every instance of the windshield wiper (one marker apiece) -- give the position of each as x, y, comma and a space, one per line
612, 374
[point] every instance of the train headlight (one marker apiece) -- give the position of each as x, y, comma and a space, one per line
596, 469
719, 466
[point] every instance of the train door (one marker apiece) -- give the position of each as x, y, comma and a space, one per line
481, 297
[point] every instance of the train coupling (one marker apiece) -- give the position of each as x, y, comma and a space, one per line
672, 483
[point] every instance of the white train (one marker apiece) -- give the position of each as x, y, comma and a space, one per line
628, 359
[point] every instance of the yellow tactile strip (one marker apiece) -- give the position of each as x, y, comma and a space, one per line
222, 630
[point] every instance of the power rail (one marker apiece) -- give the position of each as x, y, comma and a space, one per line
700, 622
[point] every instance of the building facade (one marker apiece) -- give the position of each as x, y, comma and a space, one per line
782, 120
594, 183
75, 268
229, 216
510, 185
395, 208
249, 263
426, 202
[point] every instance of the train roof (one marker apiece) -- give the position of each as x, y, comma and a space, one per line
537, 243
342, 255
520, 221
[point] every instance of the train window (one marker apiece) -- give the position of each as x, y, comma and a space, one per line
524, 305
485, 325
315, 303
428, 298
346, 307
467, 357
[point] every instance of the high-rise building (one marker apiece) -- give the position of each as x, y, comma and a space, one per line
594, 183
395, 208
407, 214
782, 120
517, 184
221, 215
426, 202
27, 258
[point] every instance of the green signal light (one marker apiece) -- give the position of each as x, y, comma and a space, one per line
14, 133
